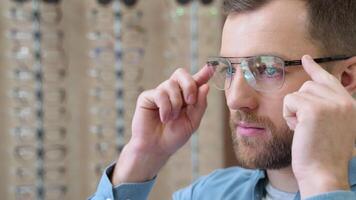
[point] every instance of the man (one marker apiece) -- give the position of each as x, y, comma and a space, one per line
293, 122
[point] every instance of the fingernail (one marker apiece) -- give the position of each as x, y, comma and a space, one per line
308, 58
191, 99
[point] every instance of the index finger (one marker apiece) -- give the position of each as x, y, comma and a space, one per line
203, 75
315, 71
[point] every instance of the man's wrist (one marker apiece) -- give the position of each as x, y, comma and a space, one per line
134, 166
315, 185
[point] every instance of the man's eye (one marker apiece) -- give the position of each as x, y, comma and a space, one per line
271, 71
229, 71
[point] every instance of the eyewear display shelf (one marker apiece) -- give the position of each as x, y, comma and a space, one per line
70, 75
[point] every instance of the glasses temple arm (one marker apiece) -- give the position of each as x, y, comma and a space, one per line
317, 60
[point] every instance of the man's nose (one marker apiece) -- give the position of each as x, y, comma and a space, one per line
240, 95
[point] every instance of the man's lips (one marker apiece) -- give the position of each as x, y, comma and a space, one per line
249, 125
249, 129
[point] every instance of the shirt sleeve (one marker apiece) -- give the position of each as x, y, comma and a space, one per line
125, 191
337, 195
192, 191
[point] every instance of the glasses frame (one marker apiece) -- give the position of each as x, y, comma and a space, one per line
50, 14
286, 63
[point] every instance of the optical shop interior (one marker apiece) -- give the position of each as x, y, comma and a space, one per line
92, 90
71, 73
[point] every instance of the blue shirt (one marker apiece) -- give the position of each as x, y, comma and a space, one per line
233, 183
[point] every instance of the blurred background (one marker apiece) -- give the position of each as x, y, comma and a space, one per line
70, 75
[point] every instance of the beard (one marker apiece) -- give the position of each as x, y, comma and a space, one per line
269, 151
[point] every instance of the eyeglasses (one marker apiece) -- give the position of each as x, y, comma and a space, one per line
105, 112
50, 13
26, 96
27, 114
104, 54
49, 75
102, 75
134, 30
28, 153
263, 73
99, 15
55, 133
101, 37
51, 38
28, 134
101, 94
55, 192
203, 2
24, 192
24, 134
50, 58
112, 63
106, 149
56, 58
28, 174
103, 131
54, 174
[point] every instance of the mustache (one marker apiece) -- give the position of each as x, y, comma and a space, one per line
250, 117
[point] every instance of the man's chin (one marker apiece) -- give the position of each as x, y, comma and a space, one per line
248, 158
252, 157
264, 165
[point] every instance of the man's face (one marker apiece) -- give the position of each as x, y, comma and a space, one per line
261, 137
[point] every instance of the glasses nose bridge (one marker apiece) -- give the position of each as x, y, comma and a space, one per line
238, 79
240, 95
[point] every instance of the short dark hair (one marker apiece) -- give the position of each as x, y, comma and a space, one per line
331, 26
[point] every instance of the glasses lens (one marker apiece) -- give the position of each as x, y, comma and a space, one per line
223, 72
25, 152
263, 73
25, 192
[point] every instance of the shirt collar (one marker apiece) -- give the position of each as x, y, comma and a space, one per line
261, 176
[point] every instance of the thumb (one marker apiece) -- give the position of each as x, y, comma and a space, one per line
197, 111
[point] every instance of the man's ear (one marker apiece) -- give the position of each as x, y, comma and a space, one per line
348, 75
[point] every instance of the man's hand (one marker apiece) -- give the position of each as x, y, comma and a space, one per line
323, 116
164, 120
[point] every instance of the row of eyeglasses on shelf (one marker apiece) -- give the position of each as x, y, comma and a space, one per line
112, 64
37, 69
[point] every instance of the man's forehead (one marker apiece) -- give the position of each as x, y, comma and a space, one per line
279, 28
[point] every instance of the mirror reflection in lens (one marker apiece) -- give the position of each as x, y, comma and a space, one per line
223, 72
268, 71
